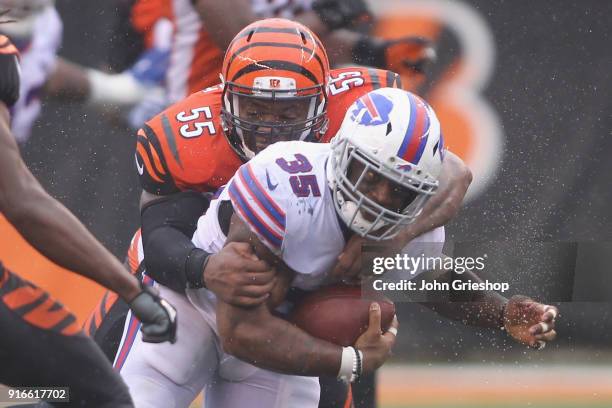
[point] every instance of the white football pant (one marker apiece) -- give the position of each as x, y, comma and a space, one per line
172, 375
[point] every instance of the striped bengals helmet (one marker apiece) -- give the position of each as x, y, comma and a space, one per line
275, 75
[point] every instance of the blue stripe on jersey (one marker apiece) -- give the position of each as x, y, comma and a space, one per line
261, 197
251, 217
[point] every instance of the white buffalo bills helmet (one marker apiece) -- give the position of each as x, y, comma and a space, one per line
396, 135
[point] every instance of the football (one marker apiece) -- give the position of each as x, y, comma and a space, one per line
340, 313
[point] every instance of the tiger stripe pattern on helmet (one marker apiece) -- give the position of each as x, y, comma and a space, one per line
274, 60
276, 44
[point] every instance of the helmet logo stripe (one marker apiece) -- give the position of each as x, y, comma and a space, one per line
371, 107
417, 133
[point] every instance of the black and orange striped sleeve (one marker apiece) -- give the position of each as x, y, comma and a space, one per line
393, 80
155, 176
35, 306
382, 78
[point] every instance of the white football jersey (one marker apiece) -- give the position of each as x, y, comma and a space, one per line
283, 196
37, 63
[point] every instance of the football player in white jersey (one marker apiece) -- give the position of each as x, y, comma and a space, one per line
297, 204
36, 30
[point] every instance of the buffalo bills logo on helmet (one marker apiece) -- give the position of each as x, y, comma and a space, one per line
377, 108
404, 167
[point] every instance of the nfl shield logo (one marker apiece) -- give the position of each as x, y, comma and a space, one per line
274, 82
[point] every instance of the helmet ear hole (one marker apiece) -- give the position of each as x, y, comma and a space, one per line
303, 37
250, 35
389, 128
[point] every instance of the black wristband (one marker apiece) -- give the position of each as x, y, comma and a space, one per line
502, 318
369, 53
359, 370
194, 268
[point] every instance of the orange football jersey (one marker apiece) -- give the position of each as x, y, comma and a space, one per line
347, 85
184, 148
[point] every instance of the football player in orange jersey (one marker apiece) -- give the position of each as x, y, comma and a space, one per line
276, 86
203, 31
186, 148
41, 344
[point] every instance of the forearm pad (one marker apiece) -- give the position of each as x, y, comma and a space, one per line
167, 227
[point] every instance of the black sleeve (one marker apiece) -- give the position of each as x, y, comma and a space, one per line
167, 227
9, 73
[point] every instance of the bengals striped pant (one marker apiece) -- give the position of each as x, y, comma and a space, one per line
42, 345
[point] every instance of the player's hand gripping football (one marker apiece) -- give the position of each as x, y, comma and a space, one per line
158, 317
238, 277
529, 322
373, 343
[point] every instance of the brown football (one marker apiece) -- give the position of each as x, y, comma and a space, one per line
339, 314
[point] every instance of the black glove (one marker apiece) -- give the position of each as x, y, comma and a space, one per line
337, 14
406, 52
158, 317
9, 72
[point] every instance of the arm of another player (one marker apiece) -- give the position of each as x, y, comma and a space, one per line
169, 218
443, 206
50, 228
74, 82
440, 209
235, 274
257, 336
527, 321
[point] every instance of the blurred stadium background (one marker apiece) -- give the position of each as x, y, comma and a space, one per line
523, 92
